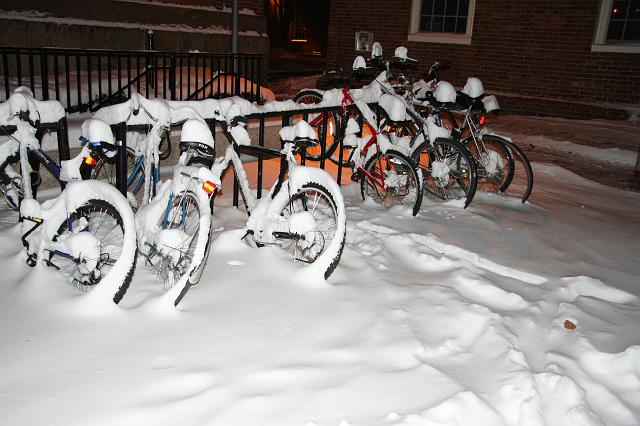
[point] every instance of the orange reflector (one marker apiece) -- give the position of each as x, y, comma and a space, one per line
209, 187
90, 161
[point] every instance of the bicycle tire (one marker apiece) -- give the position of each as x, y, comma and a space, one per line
330, 142
496, 166
329, 217
164, 148
117, 240
178, 252
388, 166
105, 169
520, 155
450, 156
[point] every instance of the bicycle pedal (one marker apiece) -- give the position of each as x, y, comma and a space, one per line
355, 177
51, 264
31, 260
248, 233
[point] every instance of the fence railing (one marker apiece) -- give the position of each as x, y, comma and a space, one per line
257, 149
85, 80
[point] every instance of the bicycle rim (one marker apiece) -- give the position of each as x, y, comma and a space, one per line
316, 200
448, 170
172, 253
390, 179
104, 223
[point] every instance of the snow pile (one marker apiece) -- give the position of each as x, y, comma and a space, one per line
454, 317
22, 100
445, 92
358, 63
473, 87
376, 50
401, 53
490, 103
434, 131
394, 106
301, 130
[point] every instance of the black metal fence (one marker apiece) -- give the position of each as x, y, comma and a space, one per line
257, 149
86, 80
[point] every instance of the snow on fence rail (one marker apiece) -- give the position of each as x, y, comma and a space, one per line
85, 80
288, 112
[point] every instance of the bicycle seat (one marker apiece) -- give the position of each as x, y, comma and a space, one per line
196, 137
304, 142
301, 135
465, 101
435, 103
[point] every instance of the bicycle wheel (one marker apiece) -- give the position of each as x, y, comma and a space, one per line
521, 160
164, 149
448, 170
391, 178
308, 96
93, 239
494, 162
181, 245
317, 225
105, 169
320, 122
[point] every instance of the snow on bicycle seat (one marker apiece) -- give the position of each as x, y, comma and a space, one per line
300, 134
444, 97
400, 55
395, 109
473, 88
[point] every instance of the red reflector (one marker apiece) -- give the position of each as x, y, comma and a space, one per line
90, 161
209, 187
483, 120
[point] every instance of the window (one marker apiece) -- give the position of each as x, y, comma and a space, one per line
442, 21
618, 28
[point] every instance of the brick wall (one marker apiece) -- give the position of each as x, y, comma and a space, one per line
529, 48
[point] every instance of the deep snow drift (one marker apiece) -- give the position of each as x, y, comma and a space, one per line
455, 317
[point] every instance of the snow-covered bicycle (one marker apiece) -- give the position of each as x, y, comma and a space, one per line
304, 214
157, 115
174, 229
88, 232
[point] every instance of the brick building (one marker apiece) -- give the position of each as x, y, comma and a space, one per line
563, 57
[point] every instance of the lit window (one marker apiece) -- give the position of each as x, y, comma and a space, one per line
618, 28
441, 21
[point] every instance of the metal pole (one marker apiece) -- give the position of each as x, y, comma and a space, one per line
234, 43
234, 33
120, 131
151, 69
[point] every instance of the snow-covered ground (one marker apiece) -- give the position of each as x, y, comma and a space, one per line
455, 317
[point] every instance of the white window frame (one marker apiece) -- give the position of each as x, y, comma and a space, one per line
599, 39
435, 37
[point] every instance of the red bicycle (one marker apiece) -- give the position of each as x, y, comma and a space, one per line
386, 174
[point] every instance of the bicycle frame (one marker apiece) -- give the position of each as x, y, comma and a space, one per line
265, 226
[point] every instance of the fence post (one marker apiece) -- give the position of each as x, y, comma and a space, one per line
259, 80
120, 131
62, 133
172, 77
151, 68
44, 73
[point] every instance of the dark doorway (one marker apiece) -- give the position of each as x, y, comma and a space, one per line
298, 25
